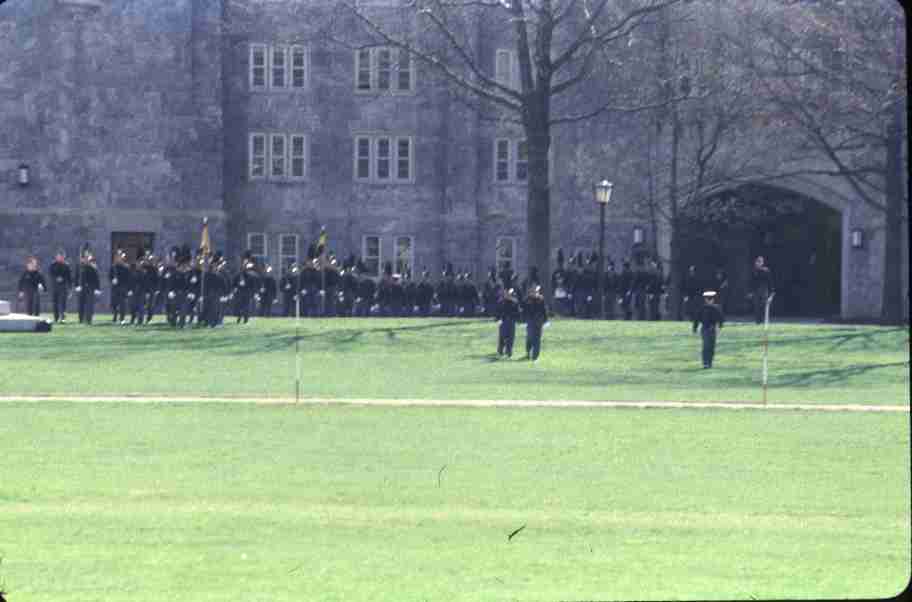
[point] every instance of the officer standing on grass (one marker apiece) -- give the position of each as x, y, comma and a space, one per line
61, 280
31, 285
119, 275
536, 314
507, 314
88, 290
710, 317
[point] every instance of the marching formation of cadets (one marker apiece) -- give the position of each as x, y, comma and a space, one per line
203, 289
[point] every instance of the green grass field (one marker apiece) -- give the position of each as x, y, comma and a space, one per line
281, 502
455, 359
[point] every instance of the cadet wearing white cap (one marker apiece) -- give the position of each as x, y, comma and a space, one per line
709, 317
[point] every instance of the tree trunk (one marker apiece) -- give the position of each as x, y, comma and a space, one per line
892, 309
538, 226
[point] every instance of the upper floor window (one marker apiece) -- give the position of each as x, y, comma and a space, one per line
384, 159
384, 69
278, 156
511, 161
256, 244
278, 67
506, 68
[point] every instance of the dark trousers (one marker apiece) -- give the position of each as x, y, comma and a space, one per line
533, 339
760, 296
31, 302
709, 345
242, 306
266, 306
86, 305
59, 295
288, 304
119, 304
505, 338
137, 304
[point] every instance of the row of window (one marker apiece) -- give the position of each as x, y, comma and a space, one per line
372, 252
377, 69
378, 158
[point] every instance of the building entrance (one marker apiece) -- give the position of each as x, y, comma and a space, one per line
131, 242
799, 237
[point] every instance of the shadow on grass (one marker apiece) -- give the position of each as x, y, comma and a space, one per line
832, 376
879, 340
112, 340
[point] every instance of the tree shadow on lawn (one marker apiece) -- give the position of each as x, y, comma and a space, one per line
868, 340
720, 376
231, 339
832, 376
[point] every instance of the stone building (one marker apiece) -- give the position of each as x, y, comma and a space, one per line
135, 119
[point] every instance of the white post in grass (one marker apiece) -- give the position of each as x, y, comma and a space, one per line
297, 300
766, 321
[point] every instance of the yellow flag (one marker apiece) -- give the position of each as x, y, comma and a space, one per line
205, 245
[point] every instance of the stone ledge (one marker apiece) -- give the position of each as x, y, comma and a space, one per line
90, 4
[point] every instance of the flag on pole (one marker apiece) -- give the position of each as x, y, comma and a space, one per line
321, 242
205, 245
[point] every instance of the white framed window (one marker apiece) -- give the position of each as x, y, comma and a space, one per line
298, 153
371, 254
258, 66
505, 253
405, 255
384, 159
277, 156
288, 250
278, 67
257, 156
384, 69
299, 66
506, 68
362, 158
502, 160
522, 161
256, 244
511, 161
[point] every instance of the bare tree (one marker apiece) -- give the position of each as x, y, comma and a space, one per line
562, 47
835, 72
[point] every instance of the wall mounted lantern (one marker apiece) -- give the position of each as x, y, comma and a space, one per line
857, 238
637, 235
23, 178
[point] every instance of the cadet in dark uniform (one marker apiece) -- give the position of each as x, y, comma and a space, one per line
710, 317
655, 290
349, 289
171, 285
287, 285
367, 290
761, 286
610, 289
625, 290
245, 283
720, 285
213, 289
119, 276
536, 315
150, 276
425, 294
61, 279
31, 285
507, 314
691, 287
267, 292
88, 290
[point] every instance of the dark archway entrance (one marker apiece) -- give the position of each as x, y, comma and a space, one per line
799, 237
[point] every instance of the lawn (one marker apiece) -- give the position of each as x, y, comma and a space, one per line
223, 501
454, 359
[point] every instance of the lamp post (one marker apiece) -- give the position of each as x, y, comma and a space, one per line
602, 194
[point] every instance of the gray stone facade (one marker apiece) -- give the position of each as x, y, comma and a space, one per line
137, 116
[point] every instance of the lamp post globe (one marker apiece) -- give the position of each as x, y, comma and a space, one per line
602, 193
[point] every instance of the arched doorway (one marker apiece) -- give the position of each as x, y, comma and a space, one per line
799, 237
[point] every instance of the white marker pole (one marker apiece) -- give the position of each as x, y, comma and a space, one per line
766, 321
297, 301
